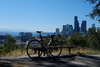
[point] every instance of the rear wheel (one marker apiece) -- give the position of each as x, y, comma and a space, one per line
34, 49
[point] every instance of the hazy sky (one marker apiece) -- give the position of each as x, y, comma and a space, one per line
45, 15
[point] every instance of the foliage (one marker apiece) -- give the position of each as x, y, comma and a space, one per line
57, 38
93, 39
60, 39
76, 39
92, 30
93, 1
90, 40
9, 44
95, 14
1, 48
46, 40
21, 46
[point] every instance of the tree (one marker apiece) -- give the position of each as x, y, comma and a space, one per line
92, 30
9, 44
77, 39
95, 14
93, 38
20, 46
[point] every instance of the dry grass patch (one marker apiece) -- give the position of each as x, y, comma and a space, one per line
64, 50
80, 50
15, 53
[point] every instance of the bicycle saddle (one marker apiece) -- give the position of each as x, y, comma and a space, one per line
38, 31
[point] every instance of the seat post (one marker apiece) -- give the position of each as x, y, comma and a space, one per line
40, 36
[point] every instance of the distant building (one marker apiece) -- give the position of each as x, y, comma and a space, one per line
67, 28
76, 25
70, 30
93, 25
83, 27
2, 39
24, 36
21, 34
28, 34
37, 36
57, 31
64, 29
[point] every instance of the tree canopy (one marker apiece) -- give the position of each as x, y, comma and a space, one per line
95, 13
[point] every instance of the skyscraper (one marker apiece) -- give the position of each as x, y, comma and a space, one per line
70, 29
76, 25
57, 30
64, 29
83, 27
93, 25
67, 27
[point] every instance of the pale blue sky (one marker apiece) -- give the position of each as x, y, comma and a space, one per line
45, 15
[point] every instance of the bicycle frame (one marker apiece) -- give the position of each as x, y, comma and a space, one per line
48, 44
50, 41
50, 48
40, 37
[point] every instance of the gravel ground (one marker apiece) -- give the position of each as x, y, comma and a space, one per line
62, 61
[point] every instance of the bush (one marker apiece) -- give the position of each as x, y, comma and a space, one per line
76, 39
93, 38
9, 44
21, 46
1, 49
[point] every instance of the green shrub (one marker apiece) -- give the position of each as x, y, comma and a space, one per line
9, 44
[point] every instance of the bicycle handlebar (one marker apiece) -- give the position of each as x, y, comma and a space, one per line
52, 36
39, 31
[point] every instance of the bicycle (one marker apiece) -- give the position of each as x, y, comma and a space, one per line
36, 47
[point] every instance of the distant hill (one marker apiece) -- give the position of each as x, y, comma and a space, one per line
11, 33
15, 32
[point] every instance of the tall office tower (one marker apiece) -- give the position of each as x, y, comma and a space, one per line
76, 25
64, 29
67, 27
93, 25
70, 29
83, 27
57, 30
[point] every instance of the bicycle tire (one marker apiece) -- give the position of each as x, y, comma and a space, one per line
55, 48
34, 49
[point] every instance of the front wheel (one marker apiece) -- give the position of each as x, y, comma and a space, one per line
55, 49
34, 49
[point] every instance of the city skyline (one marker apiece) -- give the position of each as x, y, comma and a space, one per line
71, 29
45, 15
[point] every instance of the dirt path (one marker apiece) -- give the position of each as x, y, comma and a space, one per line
63, 61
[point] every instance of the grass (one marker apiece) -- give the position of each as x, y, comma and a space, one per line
83, 51
15, 53
65, 50
20, 52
